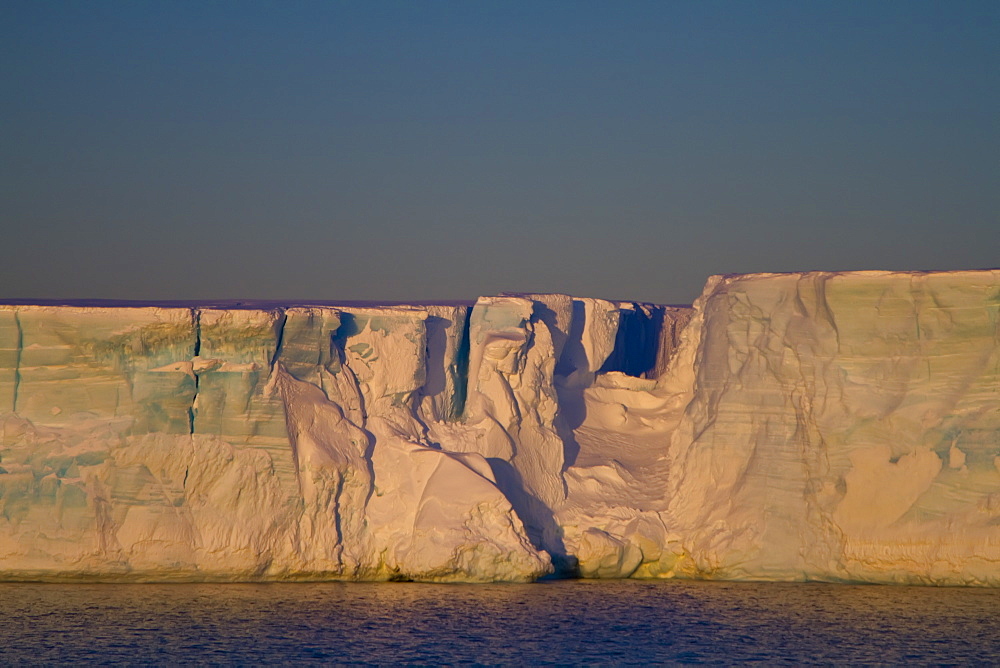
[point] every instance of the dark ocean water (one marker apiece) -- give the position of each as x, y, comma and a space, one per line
566, 622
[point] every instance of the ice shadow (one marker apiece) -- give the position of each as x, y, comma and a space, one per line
637, 343
539, 521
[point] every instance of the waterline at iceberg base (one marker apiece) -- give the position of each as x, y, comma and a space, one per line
811, 426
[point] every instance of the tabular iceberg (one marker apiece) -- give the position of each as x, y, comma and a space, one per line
826, 426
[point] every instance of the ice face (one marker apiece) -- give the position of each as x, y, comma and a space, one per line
831, 426
213, 443
10, 357
102, 363
825, 410
445, 387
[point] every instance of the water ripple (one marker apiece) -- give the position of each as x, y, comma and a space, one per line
546, 623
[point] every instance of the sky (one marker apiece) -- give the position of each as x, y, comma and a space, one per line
444, 150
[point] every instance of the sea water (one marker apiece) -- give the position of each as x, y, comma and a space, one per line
565, 622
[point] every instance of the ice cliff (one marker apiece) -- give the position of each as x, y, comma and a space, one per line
826, 426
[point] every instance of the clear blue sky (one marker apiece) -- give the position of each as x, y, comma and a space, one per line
377, 150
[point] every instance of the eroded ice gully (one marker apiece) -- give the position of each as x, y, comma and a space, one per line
830, 426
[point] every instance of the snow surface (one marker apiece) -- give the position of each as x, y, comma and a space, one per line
825, 426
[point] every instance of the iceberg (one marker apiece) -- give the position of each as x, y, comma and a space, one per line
835, 426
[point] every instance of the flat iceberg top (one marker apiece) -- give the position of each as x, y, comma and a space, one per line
234, 304
861, 273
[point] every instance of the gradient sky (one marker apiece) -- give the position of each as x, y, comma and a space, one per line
384, 150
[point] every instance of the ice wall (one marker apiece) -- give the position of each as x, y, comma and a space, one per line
157, 444
842, 426
830, 426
